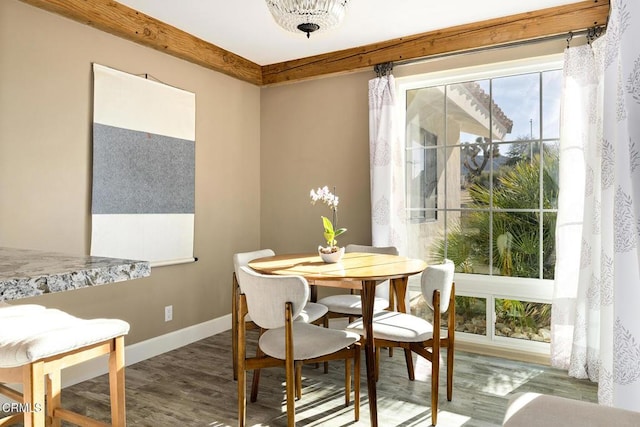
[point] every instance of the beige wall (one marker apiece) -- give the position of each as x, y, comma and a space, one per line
314, 134
45, 166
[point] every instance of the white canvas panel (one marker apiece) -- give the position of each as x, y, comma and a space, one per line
131, 102
158, 238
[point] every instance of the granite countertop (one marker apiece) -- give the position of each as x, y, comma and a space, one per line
26, 273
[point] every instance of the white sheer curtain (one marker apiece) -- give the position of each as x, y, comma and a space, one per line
387, 167
596, 311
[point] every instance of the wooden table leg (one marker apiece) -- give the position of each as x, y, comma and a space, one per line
400, 289
368, 296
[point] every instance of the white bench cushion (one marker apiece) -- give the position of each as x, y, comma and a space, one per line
32, 332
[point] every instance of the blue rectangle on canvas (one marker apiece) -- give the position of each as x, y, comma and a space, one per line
139, 172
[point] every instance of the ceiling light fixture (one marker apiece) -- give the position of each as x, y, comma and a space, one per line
307, 15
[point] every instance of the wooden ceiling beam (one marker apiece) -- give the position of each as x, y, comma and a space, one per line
507, 30
123, 21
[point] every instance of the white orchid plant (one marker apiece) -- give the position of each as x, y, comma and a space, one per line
330, 232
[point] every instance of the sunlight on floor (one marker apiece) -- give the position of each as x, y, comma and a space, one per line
500, 384
495, 383
450, 419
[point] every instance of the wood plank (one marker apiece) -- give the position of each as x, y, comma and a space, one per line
122, 21
493, 32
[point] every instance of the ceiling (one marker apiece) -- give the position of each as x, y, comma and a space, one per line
246, 28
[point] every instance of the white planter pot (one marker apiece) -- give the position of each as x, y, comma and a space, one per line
332, 257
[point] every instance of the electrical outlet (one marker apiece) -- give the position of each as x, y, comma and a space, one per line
168, 313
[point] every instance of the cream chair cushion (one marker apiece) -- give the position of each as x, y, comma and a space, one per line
351, 304
310, 341
394, 326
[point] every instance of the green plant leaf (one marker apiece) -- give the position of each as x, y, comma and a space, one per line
328, 227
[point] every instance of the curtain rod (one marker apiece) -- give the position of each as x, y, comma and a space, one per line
591, 34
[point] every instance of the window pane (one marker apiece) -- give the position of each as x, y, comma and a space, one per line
422, 177
523, 320
475, 163
551, 91
467, 243
516, 237
517, 176
425, 111
516, 107
468, 112
424, 129
427, 240
549, 245
471, 314
551, 175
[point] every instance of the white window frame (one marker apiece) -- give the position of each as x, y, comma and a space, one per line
477, 285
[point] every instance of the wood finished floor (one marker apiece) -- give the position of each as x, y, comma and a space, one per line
193, 386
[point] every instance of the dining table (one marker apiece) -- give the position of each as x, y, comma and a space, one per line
356, 270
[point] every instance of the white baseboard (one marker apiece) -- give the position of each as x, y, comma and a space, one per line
142, 350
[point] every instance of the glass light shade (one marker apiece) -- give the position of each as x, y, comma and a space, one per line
307, 15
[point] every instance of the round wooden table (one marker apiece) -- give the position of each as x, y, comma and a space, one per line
357, 270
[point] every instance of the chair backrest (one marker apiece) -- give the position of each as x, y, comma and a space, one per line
438, 277
243, 258
267, 295
390, 250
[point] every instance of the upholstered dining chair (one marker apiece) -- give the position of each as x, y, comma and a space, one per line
311, 313
350, 305
273, 302
392, 329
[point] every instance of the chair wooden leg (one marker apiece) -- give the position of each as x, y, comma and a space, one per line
54, 400
356, 381
34, 390
298, 380
116, 383
255, 382
450, 373
289, 367
409, 361
242, 398
347, 381
242, 377
234, 327
325, 323
435, 369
